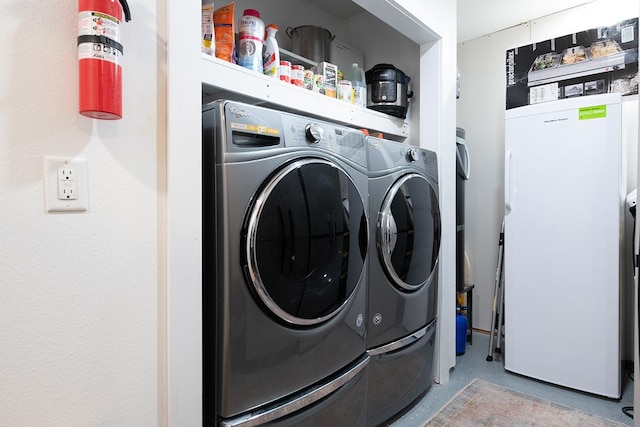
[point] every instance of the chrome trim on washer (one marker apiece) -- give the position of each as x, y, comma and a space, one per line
298, 403
387, 233
403, 342
252, 230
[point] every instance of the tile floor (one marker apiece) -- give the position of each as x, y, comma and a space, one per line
473, 364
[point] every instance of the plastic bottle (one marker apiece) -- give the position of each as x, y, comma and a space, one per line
461, 333
271, 56
355, 75
250, 40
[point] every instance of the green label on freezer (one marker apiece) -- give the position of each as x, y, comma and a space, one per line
595, 112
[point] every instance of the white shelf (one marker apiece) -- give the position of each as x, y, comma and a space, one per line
294, 58
221, 79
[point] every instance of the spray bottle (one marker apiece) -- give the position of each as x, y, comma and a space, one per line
271, 56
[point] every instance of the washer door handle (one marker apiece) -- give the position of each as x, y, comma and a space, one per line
389, 233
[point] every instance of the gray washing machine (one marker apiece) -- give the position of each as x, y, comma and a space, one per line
403, 257
285, 241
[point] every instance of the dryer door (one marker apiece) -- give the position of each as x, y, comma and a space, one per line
306, 241
409, 232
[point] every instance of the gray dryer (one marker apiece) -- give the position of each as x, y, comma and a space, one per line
404, 247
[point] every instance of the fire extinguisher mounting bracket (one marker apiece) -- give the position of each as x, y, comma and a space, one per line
102, 40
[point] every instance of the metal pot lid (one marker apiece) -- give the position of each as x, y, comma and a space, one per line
306, 28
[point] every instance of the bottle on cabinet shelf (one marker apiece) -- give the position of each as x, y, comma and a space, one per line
250, 40
355, 74
271, 56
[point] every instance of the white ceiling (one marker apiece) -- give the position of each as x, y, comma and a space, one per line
478, 18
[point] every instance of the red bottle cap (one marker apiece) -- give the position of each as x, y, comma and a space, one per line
252, 12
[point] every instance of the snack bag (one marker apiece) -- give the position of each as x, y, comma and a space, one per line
208, 45
223, 18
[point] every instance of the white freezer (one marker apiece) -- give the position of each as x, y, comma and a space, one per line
564, 201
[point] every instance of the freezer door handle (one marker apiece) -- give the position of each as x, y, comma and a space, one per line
507, 182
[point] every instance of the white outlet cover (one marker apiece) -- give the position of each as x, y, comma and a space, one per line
51, 182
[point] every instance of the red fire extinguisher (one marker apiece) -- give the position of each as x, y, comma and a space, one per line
99, 57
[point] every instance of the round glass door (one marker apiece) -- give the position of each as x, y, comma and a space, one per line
409, 232
306, 240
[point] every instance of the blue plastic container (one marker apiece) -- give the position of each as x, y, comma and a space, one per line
461, 334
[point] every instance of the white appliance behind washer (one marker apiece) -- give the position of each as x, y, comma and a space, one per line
556, 258
403, 255
284, 257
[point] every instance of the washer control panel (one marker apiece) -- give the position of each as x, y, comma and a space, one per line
254, 129
302, 131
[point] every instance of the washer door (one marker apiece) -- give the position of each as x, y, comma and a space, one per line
409, 232
306, 241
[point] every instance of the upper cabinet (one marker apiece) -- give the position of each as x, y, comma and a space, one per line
365, 31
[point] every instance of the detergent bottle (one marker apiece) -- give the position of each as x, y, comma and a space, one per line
250, 40
271, 56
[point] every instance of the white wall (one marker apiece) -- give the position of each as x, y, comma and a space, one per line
81, 294
184, 215
481, 113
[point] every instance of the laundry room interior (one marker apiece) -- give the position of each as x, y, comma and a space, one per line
240, 249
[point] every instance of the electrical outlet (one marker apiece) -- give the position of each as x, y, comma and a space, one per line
66, 184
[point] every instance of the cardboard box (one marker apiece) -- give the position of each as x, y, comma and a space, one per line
589, 62
329, 73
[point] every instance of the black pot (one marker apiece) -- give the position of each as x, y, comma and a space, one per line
388, 90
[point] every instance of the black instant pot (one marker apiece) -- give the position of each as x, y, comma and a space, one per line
388, 90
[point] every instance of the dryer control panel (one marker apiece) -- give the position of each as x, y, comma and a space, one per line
385, 155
